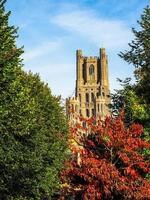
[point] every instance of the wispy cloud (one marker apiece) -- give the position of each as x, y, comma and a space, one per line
112, 34
43, 49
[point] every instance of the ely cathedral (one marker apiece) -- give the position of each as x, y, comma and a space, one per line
92, 92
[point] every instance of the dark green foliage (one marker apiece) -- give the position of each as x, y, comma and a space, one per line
136, 109
135, 99
33, 130
139, 55
33, 140
9, 53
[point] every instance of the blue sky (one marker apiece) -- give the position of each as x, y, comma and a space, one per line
52, 30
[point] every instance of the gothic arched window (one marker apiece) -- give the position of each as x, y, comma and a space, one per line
80, 112
93, 112
92, 97
87, 113
80, 97
91, 69
87, 98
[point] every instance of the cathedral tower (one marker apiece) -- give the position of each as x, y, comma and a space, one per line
92, 93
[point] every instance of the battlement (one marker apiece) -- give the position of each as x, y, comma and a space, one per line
91, 58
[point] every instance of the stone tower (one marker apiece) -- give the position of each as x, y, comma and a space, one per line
92, 93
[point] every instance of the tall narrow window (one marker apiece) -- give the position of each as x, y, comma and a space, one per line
87, 113
93, 112
80, 112
92, 97
91, 69
87, 97
80, 97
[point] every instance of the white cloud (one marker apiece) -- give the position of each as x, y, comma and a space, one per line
112, 34
43, 49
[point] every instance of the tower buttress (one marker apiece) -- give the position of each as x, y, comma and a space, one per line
79, 69
104, 68
79, 65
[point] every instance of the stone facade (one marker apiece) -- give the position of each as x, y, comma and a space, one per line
92, 93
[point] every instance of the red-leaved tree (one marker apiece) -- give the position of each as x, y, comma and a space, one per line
110, 166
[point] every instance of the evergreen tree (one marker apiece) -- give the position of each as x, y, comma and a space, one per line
136, 109
139, 55
135, 99
33, 130
9, 54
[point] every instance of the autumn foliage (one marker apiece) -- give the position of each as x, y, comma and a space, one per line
110, 166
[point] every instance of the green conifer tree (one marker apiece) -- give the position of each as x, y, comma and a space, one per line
139, 55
